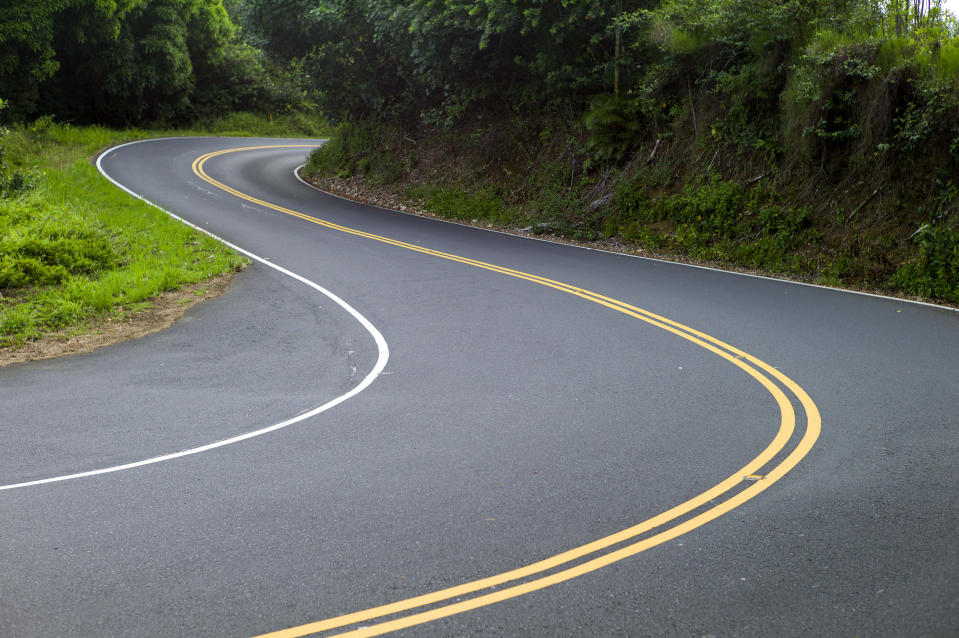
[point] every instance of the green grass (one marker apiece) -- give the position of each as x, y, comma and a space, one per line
74, 248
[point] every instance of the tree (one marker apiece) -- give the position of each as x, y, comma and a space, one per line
27, 55
434, 58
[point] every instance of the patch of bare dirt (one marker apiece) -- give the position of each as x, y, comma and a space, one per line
162, 313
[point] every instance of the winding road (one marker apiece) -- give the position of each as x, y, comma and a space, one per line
397, 424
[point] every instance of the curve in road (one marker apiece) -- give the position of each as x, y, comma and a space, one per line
381, 361
430, 477
757, 482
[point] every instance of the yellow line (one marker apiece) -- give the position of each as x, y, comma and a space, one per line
737, 357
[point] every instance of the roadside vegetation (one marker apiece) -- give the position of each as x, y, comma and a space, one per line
817, 139
78, 76
813, 139
74, 248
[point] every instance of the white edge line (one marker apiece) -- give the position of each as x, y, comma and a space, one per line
382, 358
643, 257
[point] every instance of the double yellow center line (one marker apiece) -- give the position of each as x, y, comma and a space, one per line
534, 575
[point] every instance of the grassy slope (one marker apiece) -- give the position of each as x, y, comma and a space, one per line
74, 248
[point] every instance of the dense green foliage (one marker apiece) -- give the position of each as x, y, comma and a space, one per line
27, 55
434, 59
72, 246
935, 272
810, 137
134, 61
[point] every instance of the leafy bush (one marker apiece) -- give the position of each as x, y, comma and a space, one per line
935, 273
714, 206
455, 203
350, 146
243, 78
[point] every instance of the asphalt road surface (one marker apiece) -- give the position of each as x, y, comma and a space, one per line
495, 436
